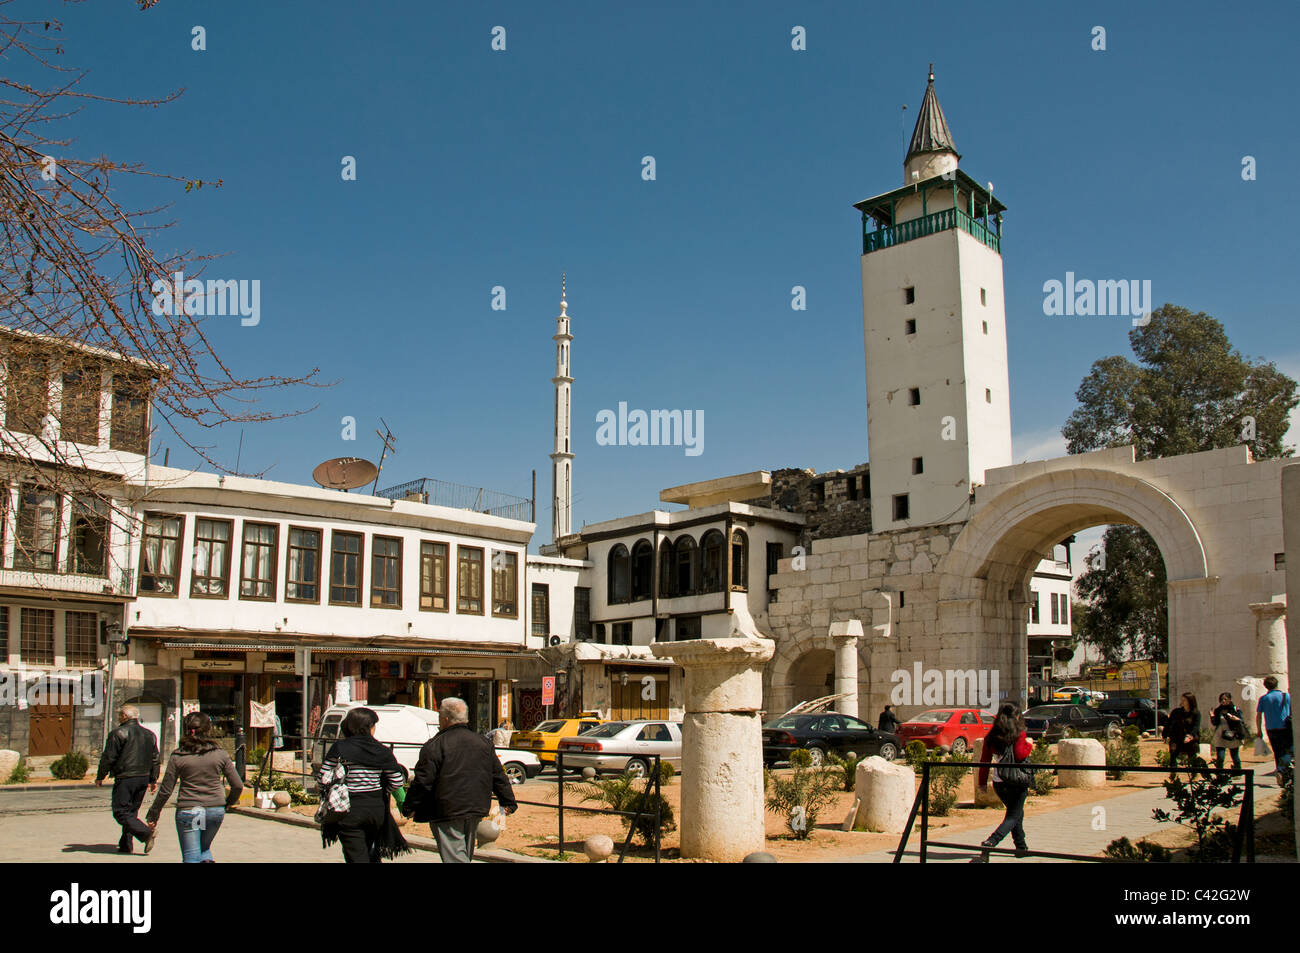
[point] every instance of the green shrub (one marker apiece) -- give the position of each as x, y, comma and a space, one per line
1131, 734
800, 758
626, 793
257, 756
21, 773
1142, 852
1043, 754
1162, 757
914, 754
944, 781
848, 765
800, 798
71, 767
297, 793
666, 772
1122, 753
1198, 801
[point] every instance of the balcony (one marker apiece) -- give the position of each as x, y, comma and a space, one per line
89, 585
930, 224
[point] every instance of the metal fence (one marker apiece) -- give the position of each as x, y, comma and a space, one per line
648, 805
460, 497
1244, 835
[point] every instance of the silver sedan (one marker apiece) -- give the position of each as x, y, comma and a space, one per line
624, 746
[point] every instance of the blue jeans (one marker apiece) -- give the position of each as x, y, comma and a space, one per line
197, 828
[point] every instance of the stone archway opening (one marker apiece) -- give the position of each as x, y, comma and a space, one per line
812, 675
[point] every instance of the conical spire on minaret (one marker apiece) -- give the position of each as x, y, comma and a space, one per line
931, 151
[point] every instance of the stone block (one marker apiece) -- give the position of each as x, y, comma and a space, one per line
879, 549
8, 761
904, 551
885, 792
1080, 751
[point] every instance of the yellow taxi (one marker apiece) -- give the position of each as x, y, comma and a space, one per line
545, 738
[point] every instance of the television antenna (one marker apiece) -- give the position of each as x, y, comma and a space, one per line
389, 442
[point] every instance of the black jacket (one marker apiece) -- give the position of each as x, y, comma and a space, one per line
888, 722
455, 777
131, 752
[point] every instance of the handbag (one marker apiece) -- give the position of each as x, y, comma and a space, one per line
1012, 772
335, 800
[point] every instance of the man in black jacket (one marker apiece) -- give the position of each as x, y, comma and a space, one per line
455, 778
131, 757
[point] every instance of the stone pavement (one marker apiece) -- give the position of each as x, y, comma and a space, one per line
1068, 831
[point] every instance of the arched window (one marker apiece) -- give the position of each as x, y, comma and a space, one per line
643, 565
619, 574
686, 556
711, 567
666, 575
739, 559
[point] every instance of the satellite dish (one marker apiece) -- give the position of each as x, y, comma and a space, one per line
344, 473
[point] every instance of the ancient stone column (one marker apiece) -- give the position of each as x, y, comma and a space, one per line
845, 636
1270, 640
722, 745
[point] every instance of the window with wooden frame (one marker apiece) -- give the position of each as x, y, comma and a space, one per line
643, 565
582, 613
88, 539
469, 579
258, 560
505, 584
541, 609
160, 554
81, 638
36, 536
79, 420
345, 568
687, 555
687, 627
621, 633
27, 400
711, 562
739, 559
302, 566
36, 636
210, 574
619, 575
129, 428
434, 591
385, 572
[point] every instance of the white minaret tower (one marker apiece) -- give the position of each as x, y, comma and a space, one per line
562, 458
938, 401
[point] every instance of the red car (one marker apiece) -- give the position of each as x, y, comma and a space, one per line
955, 728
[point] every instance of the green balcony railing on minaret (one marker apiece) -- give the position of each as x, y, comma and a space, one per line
942, 221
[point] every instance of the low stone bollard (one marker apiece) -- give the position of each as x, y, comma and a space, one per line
885, 792
282, 801
598, 847
1080, 751
8, 761
986, 796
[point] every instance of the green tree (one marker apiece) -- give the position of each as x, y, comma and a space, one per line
1189, 391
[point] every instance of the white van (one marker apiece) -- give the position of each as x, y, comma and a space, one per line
407, 728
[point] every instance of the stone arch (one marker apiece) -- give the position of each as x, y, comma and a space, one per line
983, 579
777, 675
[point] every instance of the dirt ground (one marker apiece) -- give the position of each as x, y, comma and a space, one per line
532, 830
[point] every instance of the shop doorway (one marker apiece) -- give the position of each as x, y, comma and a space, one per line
50, 730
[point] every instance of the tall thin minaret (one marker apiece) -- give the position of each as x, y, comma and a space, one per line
562, 458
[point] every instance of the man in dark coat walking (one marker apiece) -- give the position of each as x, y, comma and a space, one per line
131, 757
455, 777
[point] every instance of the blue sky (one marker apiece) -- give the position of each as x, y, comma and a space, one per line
478, 169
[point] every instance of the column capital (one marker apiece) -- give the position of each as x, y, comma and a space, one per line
1268, 610
722, 675
846, 633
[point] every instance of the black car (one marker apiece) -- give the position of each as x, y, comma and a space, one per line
1140, 712
824, 733
1051, 721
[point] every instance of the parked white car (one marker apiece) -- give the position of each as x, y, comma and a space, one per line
624, 746
407, 728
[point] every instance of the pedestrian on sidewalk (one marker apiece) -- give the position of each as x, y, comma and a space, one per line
1183, 732
455, 778
367, 831
131, 757
1229, 730
1273, 715
197, 769
1006, 747
887, 721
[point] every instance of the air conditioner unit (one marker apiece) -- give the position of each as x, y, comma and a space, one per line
427, 665
554, 640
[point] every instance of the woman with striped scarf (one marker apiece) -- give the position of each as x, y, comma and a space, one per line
367, 832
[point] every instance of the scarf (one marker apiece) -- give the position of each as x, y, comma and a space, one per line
365, 752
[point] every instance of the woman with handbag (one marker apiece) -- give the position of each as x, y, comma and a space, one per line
1229, 730
356, 777
1006, 748
1183, 732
